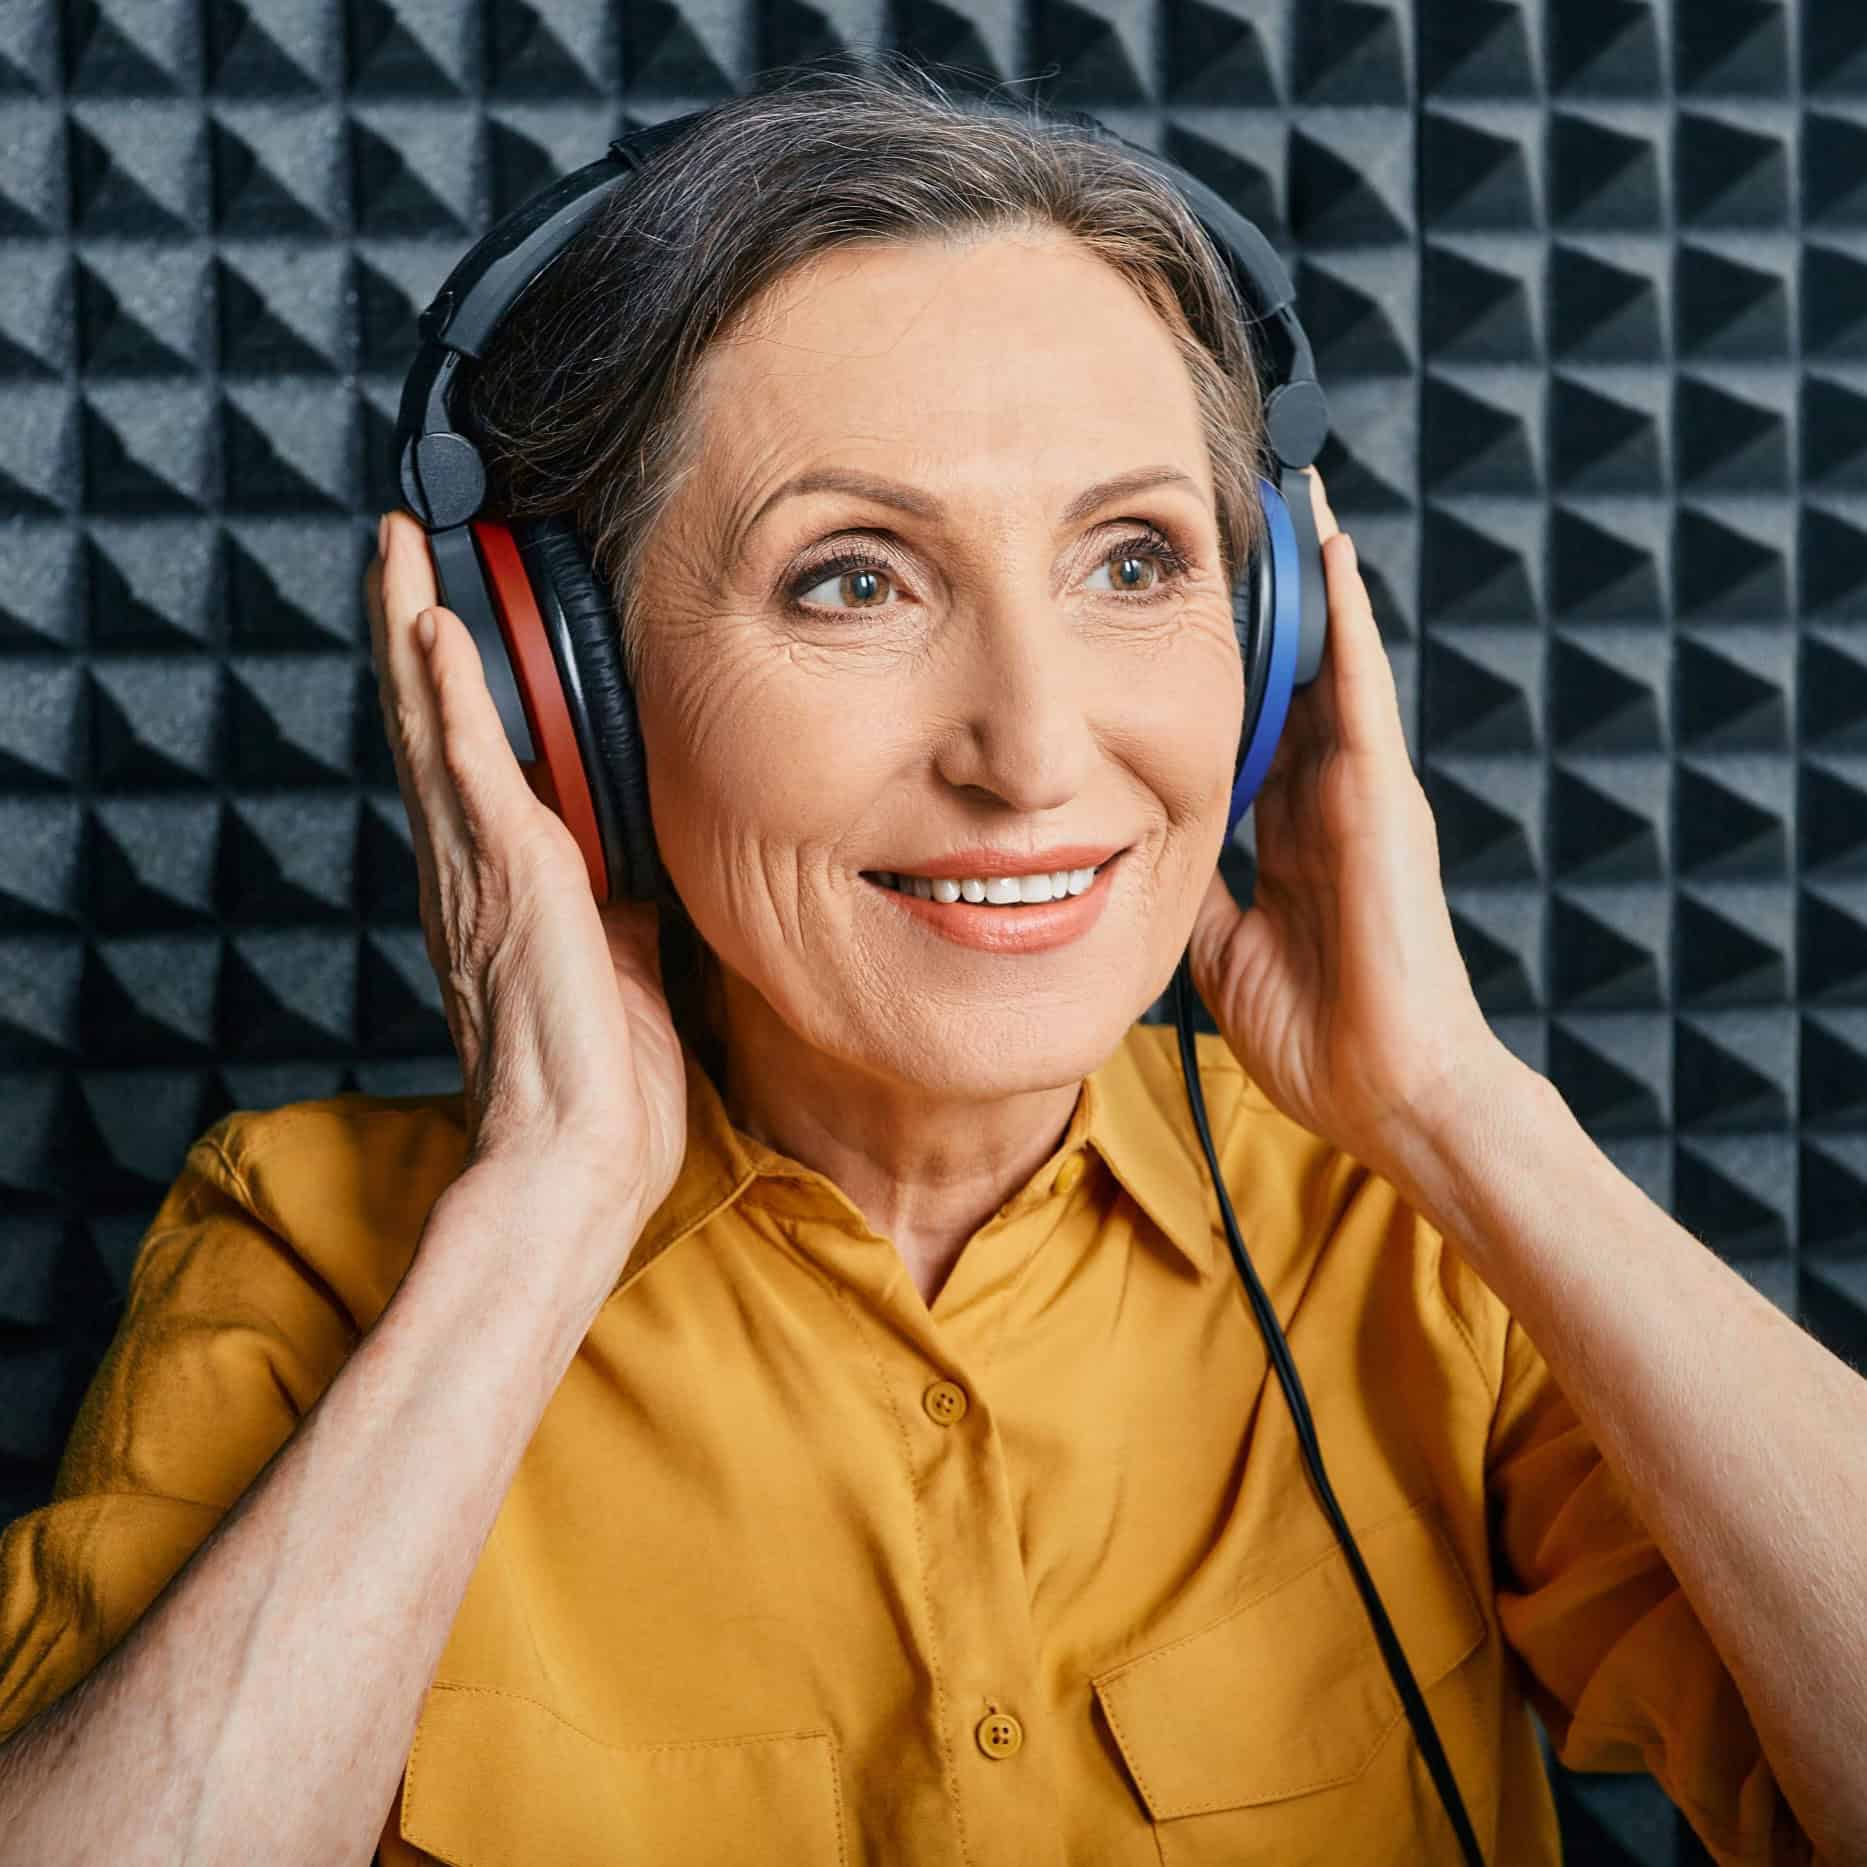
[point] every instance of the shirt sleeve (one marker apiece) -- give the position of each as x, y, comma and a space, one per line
226, 1340
1620, 1669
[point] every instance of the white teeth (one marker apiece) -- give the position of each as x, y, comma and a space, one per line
999, 890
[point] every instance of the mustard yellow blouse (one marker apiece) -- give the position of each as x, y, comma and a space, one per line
797, 1570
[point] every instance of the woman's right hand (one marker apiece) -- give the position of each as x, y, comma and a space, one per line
568, 1051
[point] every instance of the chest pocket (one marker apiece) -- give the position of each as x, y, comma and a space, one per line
1253, 1737
497, 1780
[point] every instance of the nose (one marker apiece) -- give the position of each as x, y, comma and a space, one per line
1019, 697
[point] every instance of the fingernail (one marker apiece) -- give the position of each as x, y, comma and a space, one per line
424, 629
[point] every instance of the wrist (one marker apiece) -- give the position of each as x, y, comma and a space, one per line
1430, 1154
569, 1181
551, 1225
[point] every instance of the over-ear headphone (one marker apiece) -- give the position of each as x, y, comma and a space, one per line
543, 621
549, 640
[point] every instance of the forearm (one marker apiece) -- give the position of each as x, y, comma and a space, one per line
263, 1707
1742, 1441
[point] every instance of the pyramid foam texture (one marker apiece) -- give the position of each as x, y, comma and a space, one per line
1587, 281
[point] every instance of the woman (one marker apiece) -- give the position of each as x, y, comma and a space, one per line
832, 1431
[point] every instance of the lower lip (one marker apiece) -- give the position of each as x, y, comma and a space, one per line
1034, 927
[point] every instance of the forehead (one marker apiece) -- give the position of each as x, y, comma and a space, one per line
1002, 349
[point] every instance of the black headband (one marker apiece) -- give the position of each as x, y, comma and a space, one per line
439, 468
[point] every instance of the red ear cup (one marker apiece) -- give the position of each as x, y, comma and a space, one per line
556, 775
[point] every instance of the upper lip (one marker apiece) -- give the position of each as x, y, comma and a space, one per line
983, 862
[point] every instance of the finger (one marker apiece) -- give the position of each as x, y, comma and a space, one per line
386, 707
1324, 513
1366, 698
470, 741
409, 714
392, 647
407, 589
408, 575
1311, 726
473, 749
437, 831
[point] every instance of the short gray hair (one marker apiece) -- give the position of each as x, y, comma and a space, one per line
584, 403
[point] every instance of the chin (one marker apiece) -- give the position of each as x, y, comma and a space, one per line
995, 1051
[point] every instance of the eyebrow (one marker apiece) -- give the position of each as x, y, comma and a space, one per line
922, 505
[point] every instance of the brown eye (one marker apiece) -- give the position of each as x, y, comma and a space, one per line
859, 582
1144, 566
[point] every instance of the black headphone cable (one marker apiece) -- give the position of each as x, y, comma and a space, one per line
1418, 1716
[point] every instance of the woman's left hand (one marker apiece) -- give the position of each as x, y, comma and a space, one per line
1342, 990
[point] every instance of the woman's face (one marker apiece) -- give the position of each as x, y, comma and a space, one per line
992, 671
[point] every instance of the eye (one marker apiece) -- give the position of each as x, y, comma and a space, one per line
857, 581
855, 576
1149, 547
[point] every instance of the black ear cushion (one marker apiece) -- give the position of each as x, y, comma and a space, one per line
1254, 602
560, 570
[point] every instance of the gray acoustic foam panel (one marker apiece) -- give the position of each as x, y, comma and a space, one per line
1588, 287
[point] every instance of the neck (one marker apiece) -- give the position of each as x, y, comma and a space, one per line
925, 1170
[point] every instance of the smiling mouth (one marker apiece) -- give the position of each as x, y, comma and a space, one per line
996, 891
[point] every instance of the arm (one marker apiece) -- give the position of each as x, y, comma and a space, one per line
1738, 1441
1742, 1442
264, 1705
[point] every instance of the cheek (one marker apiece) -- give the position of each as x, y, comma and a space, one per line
768, 777
1181, 717
755, 771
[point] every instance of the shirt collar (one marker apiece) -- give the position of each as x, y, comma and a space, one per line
720, 1163
1133, 1111
1141, 1123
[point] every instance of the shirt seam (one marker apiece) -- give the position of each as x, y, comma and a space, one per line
700, 1743
344, 1106
676, 1743
1459, 1324
140, 1497
1415, 1507
302, 1267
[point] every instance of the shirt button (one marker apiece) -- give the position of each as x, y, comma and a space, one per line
945, 1402
1070, 1175
1000, 1734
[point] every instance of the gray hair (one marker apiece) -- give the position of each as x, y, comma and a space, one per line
585, 403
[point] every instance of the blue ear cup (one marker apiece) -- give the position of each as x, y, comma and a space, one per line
1282, 621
